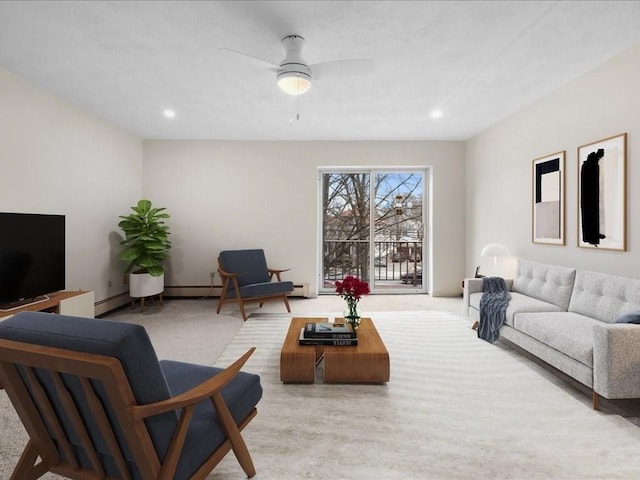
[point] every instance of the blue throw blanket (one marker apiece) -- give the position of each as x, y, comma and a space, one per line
493, 305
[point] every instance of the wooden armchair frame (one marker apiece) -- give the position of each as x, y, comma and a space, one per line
231, 280
39, 415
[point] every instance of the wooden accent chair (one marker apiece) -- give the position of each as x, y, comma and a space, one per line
246, 278
97, 403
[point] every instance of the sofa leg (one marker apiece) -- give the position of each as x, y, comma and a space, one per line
596, 401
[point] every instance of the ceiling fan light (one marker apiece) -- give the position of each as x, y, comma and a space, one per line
294, 83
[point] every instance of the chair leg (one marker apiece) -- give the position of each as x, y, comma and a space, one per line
223, 297
286, 303
244, 314
222, 300
233, 433
27, 467
596, 401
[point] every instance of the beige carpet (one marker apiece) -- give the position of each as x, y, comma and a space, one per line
456, 407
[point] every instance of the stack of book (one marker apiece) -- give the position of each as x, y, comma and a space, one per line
331, 334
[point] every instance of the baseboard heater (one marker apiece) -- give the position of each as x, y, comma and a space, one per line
111, 303
196, 291
301, 290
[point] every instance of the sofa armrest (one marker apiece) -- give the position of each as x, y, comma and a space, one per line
475, 285
616, 360
469, 286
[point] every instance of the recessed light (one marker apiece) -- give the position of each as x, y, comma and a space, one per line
436, 114
169, 113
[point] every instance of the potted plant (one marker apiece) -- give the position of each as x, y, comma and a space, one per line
146, 245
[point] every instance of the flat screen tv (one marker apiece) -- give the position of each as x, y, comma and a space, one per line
32, 257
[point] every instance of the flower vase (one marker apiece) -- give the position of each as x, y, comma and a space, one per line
352, 316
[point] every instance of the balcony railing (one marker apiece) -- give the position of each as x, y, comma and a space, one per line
396, 264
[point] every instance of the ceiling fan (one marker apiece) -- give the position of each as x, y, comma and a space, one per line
294, 75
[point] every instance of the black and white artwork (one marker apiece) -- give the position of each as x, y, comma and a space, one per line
548, 199
602, 194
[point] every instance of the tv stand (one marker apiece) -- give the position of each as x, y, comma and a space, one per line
8, 307
79, 303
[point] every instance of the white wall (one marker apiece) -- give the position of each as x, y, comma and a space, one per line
57, 159
600, 104
230, 195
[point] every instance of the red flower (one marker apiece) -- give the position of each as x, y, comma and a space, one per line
352, 288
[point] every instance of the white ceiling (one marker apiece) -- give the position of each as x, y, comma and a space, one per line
478, 61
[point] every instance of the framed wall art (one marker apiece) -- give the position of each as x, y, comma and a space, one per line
602, 194
548, 202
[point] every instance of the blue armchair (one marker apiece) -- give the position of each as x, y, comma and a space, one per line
246, 278
97, 403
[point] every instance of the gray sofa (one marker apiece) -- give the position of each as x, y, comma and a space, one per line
567, 318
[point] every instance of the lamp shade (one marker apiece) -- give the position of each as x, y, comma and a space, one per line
294, 83
494, 250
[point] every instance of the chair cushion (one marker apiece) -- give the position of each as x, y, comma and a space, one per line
127, 342
205, 433
249, 265
265, 289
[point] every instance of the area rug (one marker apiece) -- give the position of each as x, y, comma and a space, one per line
456, 407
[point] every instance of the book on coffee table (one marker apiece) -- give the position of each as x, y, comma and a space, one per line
329, 331
327, 341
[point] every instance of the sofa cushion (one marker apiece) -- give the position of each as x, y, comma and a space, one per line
567, 332
519, 303
548, 283
604, 297
524, 304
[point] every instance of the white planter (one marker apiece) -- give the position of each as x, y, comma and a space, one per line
144, 285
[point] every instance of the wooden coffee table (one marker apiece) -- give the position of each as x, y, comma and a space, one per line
366, 363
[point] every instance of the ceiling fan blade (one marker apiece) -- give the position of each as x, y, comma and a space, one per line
341, 68
274, 67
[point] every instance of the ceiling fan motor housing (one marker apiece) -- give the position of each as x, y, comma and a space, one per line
294, 76
293, 62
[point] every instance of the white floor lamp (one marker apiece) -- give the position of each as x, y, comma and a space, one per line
494, 250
